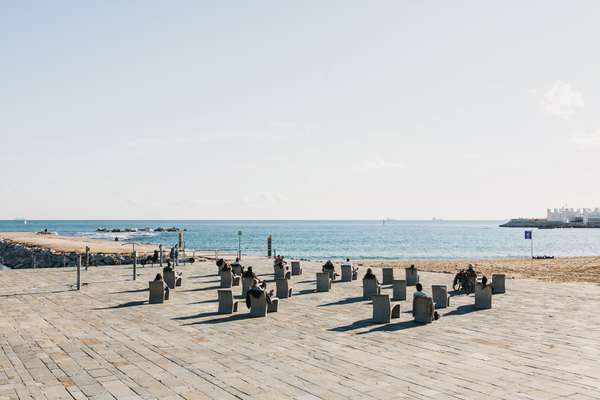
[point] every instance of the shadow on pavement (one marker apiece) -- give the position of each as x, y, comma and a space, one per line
200, 315
124, 305
462, 310
393, 327
348, 300
230, 318
355, 325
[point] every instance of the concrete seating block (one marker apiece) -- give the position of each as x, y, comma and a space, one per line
383, 311
399, 288
412, 276
346, 272
483, 296
226, 303
284, 290
157, 292
280, 272
370, 288
296, 270
423, 309
226, 279
323, 282
440, 296
498, 283
246, 285
171, 277
273, 306
388, 276
259, 306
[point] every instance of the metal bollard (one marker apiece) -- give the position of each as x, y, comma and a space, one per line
78, 272
160, 249
134, 264
87, 257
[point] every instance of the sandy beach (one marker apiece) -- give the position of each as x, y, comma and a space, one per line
563, 269
73, 244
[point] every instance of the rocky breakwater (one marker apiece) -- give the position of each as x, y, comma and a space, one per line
17, 255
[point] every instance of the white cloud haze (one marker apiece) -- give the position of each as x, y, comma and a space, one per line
562, 100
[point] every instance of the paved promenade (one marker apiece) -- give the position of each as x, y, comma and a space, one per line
539, 341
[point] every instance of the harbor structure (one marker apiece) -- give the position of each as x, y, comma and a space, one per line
571, 215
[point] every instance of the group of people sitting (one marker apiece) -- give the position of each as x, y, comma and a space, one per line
258, 286
465, 278
168, 268
418, 293
329, 267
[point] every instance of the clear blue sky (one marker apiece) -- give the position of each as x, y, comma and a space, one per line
312, 109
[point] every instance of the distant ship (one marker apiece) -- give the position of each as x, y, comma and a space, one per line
24, 220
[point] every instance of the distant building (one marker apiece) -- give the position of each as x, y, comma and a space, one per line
580, 215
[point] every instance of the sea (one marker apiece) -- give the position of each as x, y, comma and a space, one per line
360, 239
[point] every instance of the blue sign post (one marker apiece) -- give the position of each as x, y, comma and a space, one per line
529, 236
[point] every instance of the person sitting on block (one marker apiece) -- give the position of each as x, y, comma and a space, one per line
248, 273
330, 268
256, 291
159, 278
484, 281
223, 265
168, 268
237, 263
421, 293
370, 275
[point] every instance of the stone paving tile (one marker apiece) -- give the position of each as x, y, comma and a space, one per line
539, 341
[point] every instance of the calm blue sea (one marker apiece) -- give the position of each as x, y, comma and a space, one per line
340, 239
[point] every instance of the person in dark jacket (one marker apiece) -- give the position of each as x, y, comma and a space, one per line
330, 268
248, 273
168, 268
370, 275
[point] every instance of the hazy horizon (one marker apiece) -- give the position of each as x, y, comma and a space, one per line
328, 110
254, 219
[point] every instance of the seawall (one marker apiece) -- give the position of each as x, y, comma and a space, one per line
17, 255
